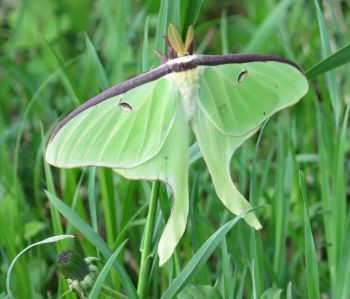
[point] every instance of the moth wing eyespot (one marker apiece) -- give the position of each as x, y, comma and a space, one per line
125, 107
242, 76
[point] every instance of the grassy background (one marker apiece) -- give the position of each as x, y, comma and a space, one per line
56, 54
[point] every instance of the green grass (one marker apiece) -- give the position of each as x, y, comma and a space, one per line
296, 169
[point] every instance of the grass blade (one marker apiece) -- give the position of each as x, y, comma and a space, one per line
341, 57
104, 272
310, 250
45, 241
92, 198
227, 277
224, 35
342, 286
267, 27
330, 76
169, 12
100, 72
192, 12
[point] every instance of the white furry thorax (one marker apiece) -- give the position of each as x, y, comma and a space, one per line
187, 83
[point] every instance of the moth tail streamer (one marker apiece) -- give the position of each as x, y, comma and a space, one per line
217, 150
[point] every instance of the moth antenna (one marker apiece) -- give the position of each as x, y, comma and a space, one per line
176, 41
188, 40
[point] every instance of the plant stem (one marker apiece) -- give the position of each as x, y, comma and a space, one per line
147, 244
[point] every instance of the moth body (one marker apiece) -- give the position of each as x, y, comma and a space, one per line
187, 84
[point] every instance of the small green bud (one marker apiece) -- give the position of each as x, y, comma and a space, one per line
72, 265
81, 273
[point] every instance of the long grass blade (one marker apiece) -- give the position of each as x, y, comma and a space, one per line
339, 58
310, 250
104, 272
330, 76
342, 286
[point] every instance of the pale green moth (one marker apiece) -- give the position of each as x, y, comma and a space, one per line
141, 127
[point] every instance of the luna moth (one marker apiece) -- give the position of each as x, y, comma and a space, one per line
141, 128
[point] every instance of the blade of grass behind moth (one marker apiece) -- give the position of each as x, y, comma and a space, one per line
95, 291
191, 15
341, 32
255, 239
340, 57
339, 184
67, 81
145, 47
92, 198
169, 12
287, 42
253, 183
18, 193
75, 198
281, 201
330, 76
131, 222
342, 286
138, 22
267, 165
100, 72
55, 217
105, 177
18, 27
196, 230
95, 239
193, 229
325, 191
332, 6
37, 175
254, 293
271, 293
268, 27
122, 10
312, 277
163, 20
223, 30
228, 276
240, 290
200, 258
289, 291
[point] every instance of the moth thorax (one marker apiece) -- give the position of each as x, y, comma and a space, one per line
187, 83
